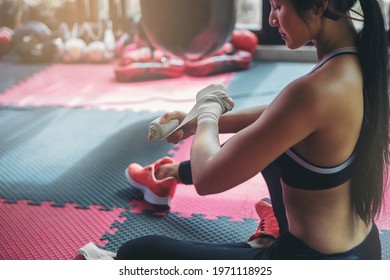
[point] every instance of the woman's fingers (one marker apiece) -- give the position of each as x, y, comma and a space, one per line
175, 137
171, 116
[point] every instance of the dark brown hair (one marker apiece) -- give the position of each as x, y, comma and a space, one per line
370, 177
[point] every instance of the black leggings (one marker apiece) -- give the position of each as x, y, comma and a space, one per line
286, 245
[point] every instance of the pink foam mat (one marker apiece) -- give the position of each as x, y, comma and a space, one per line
237, 203
90, 85
44, 232
383, 220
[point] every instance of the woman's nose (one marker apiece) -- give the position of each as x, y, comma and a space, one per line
273, 22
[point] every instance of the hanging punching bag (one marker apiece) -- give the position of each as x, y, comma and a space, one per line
189, 29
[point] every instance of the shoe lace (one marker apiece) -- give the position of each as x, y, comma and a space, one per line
262, 226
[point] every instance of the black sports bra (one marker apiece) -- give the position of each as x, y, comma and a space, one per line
297, 172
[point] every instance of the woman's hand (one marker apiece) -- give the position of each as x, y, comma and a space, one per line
186, 131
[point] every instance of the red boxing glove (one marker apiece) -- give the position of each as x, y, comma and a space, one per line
245, 40
227, 48
5, 40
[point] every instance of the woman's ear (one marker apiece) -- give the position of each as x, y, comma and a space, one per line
320, 6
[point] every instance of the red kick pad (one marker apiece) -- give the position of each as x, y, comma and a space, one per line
139, 71
212, 65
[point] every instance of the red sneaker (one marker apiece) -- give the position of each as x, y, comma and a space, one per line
157, 192
268, 226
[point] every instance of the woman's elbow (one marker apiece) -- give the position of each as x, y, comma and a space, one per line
202, 188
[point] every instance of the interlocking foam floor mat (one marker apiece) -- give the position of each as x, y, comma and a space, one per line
195, 227
13, 72
44, 232
72, 155
69, 132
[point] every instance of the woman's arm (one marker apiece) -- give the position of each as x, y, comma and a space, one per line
230, 122
295, 114
234, 121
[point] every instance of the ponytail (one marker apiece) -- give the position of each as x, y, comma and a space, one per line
373, 155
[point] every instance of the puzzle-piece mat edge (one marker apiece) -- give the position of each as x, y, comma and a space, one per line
44, 232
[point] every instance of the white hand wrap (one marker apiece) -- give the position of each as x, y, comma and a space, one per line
210, 103
162, 130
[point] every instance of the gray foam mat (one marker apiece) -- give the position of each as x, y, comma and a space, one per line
72, 155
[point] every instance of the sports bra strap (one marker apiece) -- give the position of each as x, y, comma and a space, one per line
346, 50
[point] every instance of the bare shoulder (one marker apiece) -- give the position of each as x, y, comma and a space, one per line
336, 84
338, 78
304, 94
324, 97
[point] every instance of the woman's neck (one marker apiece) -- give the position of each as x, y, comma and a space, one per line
335, 35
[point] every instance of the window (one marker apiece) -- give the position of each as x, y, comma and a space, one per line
249, 14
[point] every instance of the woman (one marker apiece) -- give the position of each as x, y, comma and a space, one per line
322, 145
